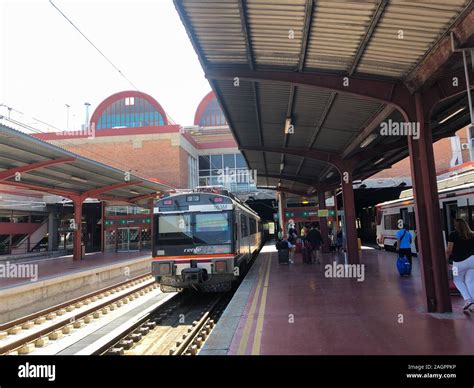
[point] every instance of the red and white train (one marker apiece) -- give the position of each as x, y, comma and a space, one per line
203, 239
456, 200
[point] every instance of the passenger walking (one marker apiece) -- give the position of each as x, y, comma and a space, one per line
306, 248
461, 251
315, 238
339, 240
404, 240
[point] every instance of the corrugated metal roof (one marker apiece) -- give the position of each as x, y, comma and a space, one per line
406, 31
358, 37
19, 149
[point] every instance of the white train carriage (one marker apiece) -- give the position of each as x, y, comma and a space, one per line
456, 200
203, 239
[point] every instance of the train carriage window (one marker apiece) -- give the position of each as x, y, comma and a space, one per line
243, 226
253, 226
391, 221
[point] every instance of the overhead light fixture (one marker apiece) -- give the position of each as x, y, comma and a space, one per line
378, 161
282, 166
287, 124
451, 115
369, 139
305, 202
134, 192
77, 179
330, 174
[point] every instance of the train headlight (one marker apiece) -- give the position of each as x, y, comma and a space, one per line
165, 269
220, 266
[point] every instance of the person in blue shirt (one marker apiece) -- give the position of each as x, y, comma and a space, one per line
404, 242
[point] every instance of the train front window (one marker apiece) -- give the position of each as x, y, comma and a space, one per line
175, 229
212, 228
194, 229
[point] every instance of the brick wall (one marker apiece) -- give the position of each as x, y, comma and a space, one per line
442, 153
154, 158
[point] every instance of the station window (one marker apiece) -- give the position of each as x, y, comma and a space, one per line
130, 112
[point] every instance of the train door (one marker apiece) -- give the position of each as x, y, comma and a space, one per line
450, 214
405, 217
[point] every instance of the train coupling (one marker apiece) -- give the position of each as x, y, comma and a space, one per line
194, 275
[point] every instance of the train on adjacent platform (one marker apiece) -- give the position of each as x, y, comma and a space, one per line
456, 200
203, 239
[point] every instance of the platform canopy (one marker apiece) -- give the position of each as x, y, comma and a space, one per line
327, 72
30, 163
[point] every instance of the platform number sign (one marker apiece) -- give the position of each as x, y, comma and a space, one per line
72, 224
400, 224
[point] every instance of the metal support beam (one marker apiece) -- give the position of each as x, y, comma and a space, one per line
292, 178
350, 217
368, 35
77, 249
295, 192
95, 192
322, 119
33, 166
433, 263
323, 156
323, 221
369, 128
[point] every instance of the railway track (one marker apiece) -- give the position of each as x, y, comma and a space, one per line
178, 328
28, 333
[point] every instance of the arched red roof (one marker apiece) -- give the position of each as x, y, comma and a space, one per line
121, 95
202, 107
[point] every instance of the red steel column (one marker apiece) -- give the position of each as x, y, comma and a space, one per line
336, 210
77, 251
429, 229
102, 227
323, 221
350, 217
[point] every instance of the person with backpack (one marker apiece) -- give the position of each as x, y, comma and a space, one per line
404, 240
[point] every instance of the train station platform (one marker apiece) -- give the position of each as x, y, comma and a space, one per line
302, 309
33, 285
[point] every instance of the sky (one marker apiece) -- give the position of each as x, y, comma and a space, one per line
45, 63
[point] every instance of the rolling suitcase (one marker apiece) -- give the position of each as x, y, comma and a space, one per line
306, 252
284, 256
403, 266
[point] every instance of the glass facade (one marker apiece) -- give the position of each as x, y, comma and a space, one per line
127, 228
130, 112
228, 170
212, 115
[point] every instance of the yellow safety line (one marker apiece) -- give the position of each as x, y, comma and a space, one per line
257, 340
248, 324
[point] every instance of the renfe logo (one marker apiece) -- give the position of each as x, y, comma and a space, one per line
37, 371
194, 251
